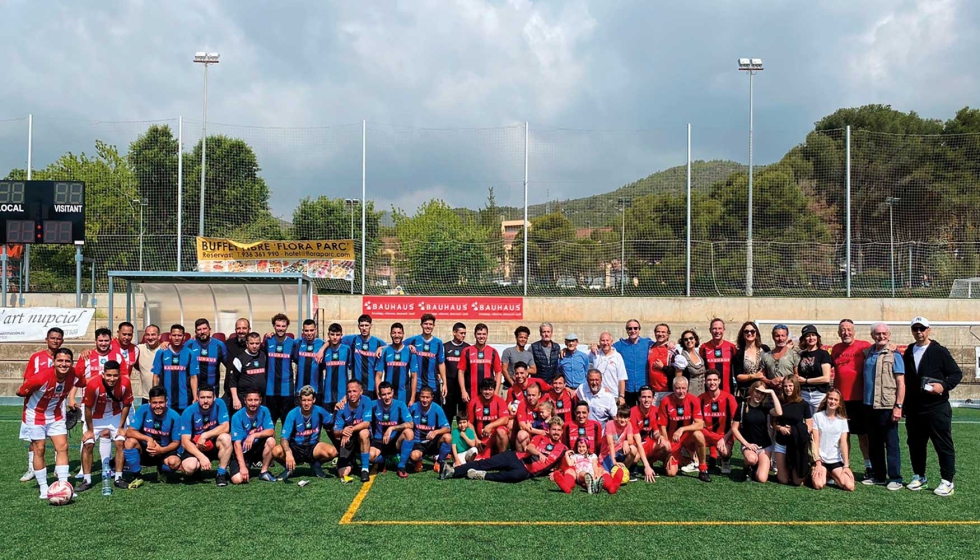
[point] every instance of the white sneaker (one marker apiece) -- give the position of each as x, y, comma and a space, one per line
726, 467
27, 476
831, 482
894, 485
589, 483
43, 495
691, 467
476, 475
945, 488
869, 482
918, 483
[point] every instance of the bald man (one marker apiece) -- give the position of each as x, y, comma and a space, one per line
610, 364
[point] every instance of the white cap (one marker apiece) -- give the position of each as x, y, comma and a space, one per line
920, 321
571, 336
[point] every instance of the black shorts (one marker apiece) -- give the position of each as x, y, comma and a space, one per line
428, 448
213, 454
279, 407
147, 460
831, 466
253, 454
857, 422
389, 449
302, 453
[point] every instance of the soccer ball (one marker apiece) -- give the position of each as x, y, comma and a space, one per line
626, 474
60, 493
204, 445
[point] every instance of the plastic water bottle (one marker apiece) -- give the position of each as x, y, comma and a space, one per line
106, 478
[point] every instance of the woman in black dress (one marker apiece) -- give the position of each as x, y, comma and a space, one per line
792, 430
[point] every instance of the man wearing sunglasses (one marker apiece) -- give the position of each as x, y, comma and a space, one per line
930, 374
635, 350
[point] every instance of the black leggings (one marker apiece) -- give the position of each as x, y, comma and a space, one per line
506, 466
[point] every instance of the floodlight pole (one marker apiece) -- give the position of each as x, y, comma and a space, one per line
751, 65
205, 59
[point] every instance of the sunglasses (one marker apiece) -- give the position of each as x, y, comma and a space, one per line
919, 328
686, 338
749, 331
630, 329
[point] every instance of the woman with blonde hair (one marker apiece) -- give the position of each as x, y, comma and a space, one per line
830, 444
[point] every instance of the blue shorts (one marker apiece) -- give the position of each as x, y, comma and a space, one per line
608, 463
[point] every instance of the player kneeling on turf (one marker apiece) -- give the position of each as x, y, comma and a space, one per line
253, 437
205, 435
431, 430
352, 430
108, 398
391, 429
151, 439
300, 441
541, 455
44, 415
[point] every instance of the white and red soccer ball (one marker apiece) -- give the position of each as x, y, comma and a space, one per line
60, 493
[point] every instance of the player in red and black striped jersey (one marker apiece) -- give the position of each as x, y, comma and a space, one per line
583, 428
518, 390
681, 424
718, 353
476, 363
561, 397
491, 420
646, 428
718, 409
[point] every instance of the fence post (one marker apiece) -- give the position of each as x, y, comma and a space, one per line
526, 225
847, 188
688, 274
180, 190
363, 204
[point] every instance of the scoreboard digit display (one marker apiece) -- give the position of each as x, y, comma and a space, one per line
49, 212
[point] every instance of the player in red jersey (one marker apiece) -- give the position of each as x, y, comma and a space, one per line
123, 343
518, 390
585, 428
561, 397
848, 358
478, 362
681, 425
717, 354
44, 415
38, 361
646, 428
490, 418
718, 409
541, 455
108, 399
90, 364
528, 419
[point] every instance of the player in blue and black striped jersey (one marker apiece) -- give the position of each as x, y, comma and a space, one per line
309, 370
172, 370
205, 435
429, 354
432, 436
392, 430
364, 358
398, 367
280, 385
207, 355
151, 437
337, 367
253, 436
352, 430
300, 441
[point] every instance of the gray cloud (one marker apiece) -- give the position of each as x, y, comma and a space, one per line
627, 77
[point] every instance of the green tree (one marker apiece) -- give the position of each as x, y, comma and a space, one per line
331, 218
153, 160
490, 218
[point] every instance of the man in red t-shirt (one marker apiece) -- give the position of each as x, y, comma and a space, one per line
108, 398
585, 428
41, 360
718, 409
561, 397
528, 422
541, 455
518, 390
681, 424
718, 353
123, 343
646, 427
491, 419
476, 363
848, 357
659, 370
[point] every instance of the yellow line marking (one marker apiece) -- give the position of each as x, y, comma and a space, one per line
348, 517
347, 521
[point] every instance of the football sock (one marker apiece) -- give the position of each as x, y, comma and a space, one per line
105, 448
222, 470
87, 478
703, 467
30, 460
445, 450
406, 451
365, 461
41, 475
118, 476
132, 460
62, 472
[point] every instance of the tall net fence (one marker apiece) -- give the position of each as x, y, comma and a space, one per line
443, 209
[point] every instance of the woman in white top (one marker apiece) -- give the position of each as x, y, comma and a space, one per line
830, 444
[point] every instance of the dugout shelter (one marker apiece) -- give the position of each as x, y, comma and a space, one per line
182, 297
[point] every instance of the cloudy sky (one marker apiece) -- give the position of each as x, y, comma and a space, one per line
445, 87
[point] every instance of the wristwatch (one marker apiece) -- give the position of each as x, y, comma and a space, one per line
898, 406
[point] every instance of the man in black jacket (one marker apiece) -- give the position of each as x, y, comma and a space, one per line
930, 374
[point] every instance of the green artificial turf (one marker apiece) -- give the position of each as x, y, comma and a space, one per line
262, 520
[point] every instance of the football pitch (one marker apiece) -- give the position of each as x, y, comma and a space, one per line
421, 516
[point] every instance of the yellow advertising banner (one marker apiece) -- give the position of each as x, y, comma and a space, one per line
218, 249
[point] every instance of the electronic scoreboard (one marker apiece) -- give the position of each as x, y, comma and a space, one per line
50, 212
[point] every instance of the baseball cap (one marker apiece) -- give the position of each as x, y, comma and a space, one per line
571, 336
809, 329
920, 321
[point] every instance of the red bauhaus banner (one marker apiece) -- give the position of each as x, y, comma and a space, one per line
448, 308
